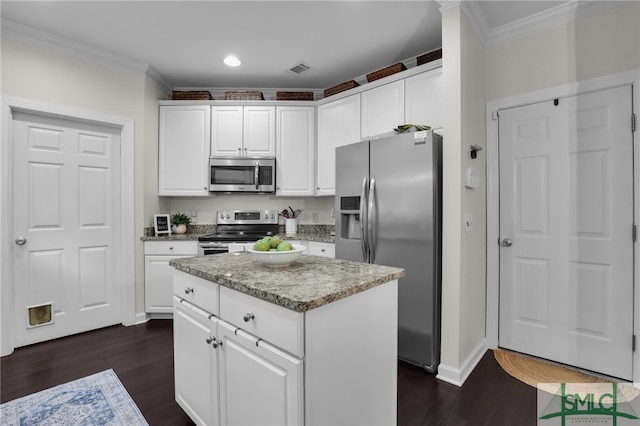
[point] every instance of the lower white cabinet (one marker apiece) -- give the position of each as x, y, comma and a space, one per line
158, 275
196, 361
322, 249
259, 384
231, 366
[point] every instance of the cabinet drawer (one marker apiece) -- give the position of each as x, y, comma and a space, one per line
171, 247
322, 249
202, 293
274, 324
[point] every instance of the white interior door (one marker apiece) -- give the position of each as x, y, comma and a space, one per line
566, 221
66, 186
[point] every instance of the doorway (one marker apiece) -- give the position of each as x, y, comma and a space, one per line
566, 229
83, 277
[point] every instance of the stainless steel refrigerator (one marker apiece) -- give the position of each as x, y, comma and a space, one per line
388, 212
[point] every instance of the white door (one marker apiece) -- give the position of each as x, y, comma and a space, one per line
566, 221
66, 185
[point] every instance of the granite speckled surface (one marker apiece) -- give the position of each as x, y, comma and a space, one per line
319, 233
308, 283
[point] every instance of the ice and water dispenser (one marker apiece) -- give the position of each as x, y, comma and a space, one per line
350, 217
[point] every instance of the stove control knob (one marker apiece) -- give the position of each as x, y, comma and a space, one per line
228, 217
221, 216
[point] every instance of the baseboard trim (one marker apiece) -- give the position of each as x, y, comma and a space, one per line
141, 318
457, 376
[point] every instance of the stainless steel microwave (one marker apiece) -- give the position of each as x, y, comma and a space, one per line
242, 174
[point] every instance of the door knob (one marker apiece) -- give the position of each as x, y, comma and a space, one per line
507, 242
21, 241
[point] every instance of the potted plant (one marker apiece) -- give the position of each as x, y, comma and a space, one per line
180, 222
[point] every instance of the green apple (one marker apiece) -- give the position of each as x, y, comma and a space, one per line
275, 241
261, 245
284, 246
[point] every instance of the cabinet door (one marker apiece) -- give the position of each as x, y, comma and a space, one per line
338, 125
226, 131
183, 150
196, 363
423, 99
382, 109
158, 284
295, 151
259, 131
259, 384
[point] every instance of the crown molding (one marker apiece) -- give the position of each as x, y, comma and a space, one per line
565, 13
58, 44
559, 15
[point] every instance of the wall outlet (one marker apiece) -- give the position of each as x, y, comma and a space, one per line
314, 217
194, 216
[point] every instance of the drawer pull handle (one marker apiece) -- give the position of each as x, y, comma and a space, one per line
248, 317
188, 290
214, 342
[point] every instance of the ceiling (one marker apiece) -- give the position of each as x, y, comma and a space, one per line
186, 41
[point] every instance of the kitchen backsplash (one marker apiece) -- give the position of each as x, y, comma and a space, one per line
209, 229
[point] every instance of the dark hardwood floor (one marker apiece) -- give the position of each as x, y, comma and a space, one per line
142, 357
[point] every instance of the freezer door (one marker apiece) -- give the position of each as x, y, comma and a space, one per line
404, 235
352, 170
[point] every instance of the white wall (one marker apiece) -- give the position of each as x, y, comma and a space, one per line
463, 257
206, 207
593, 46
44, 75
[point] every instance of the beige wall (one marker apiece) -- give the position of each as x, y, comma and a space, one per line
593, 46
37, 74
463, 258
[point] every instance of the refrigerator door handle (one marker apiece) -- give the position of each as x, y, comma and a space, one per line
371, 220
363, 221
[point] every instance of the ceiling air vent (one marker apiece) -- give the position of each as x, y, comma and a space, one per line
300, 67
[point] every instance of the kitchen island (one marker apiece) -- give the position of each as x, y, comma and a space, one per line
311, 343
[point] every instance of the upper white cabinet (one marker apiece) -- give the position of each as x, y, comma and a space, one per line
183, 150
338, 125
424, 98
382, 109
245, 131
295, 143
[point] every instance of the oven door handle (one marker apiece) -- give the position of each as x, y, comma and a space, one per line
256, 174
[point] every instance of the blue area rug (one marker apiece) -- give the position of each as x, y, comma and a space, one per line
99, 399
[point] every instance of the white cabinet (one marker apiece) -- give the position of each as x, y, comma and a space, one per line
382, 109
255, 362
158, 275
295, 153
424, 98
322, 249
183, 150
246, 131
224, 374
338, 125
196, 362
259, 384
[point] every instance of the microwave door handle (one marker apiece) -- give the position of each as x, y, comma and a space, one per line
256, 174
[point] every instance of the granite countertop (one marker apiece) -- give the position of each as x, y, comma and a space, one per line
308, 283
319, 233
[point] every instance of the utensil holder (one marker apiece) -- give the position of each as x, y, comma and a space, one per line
291, 226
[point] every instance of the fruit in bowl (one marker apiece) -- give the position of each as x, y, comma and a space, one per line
282, 254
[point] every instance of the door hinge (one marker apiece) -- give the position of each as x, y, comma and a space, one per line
634, 233
633, 123
633, 343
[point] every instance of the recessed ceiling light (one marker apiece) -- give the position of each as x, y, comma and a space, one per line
232, 61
